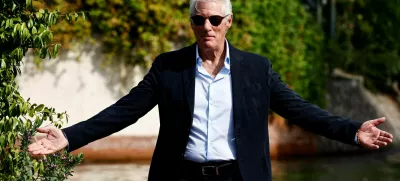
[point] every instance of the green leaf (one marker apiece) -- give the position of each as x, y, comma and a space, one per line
50, 37
46, 110
41, 28
10, 137
28, 125
2, 140
26, 34
12, 106
3, 64
30, 23
28, 3
39, 15
14, 7
56, 49
41, 43
76, 16
83, 16
39, 108
14, 122
34, 30
50, 53
50, 19
35, 166
43, 52
23, 27
41, 167
31, 114
16, 30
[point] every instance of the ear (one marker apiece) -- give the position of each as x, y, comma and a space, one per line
229, 20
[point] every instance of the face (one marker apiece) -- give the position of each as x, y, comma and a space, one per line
209, 36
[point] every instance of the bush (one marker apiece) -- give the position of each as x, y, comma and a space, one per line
23, 27
367, 41
134, 32
285, 33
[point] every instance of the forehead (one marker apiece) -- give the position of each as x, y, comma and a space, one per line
208, 8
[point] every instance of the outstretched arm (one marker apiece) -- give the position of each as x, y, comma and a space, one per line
291, 106
126, 111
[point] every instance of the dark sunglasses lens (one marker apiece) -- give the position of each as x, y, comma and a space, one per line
198, 20
216, 20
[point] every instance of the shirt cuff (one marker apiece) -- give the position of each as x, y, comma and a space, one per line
355, 139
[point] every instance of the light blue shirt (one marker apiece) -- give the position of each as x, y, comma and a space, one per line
211, 135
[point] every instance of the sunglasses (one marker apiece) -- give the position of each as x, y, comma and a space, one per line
215, 20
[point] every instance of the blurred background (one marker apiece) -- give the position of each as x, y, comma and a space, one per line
342, 55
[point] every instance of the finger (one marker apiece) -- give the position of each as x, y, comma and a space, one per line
39, 136
380, 143
39, 152
43, 130
35, 146
385, 139
378, 121
386, 134
49, 146
371, 146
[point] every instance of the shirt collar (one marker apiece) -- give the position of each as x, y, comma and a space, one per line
227, 64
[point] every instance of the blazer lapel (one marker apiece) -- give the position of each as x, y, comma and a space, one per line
237, 65
188, 76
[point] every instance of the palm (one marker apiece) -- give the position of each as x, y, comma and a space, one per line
372, 137
52, 141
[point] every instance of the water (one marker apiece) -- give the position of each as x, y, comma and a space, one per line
366, 167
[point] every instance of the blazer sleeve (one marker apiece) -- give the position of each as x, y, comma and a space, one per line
310, 117
126, 111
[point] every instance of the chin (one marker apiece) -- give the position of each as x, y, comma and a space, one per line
209, 45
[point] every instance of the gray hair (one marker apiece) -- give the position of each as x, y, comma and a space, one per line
226, 6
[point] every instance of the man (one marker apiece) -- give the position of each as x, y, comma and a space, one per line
213, 103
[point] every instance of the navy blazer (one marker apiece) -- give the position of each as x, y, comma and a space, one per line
256, 88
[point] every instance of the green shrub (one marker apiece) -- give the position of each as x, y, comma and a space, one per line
23, 27
285, 33
367, 41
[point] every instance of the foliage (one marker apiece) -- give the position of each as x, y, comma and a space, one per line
134, 32
367, 41
286, 34
22, 28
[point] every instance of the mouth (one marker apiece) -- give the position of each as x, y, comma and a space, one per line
209, 37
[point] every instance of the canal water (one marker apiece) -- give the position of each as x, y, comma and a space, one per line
381, 166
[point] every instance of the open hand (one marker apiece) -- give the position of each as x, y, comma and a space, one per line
372, 137
52, 141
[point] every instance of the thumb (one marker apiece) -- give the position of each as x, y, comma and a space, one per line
378, 121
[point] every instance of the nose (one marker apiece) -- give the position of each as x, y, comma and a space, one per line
207, 25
